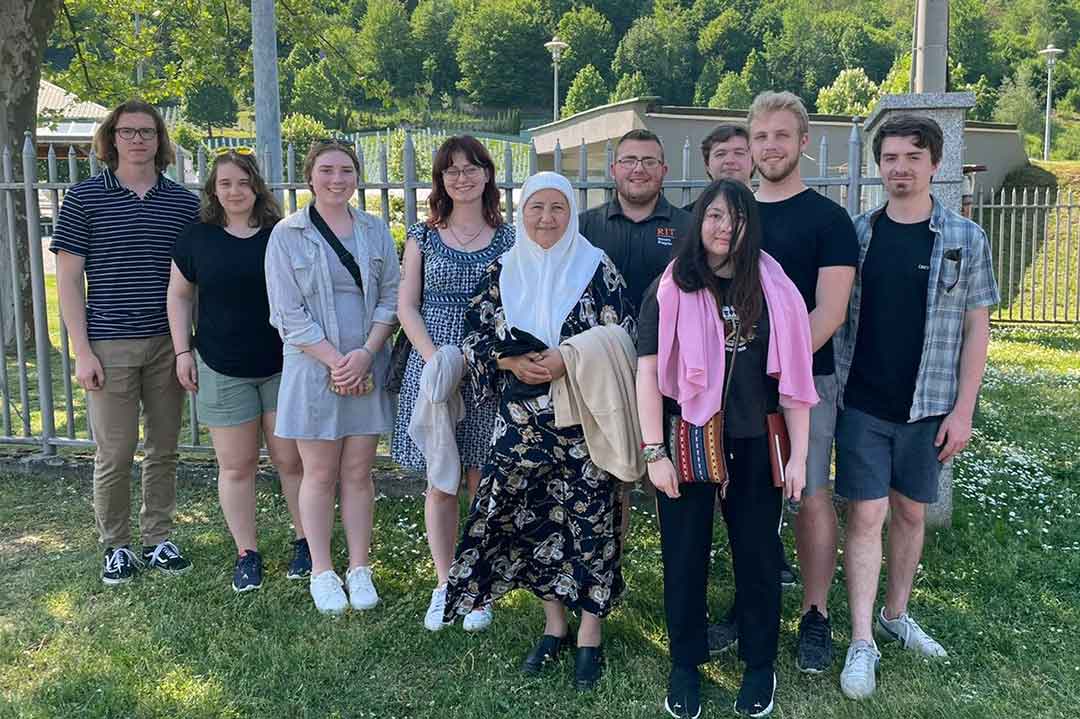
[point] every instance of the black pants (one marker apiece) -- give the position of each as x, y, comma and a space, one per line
752, 512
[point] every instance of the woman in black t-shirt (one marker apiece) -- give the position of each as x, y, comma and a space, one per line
238, 367
722, 311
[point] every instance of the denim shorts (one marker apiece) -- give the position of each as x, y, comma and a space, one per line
874, 455
224, 401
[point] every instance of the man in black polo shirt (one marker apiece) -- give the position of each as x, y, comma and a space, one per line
117, 231
726, 152
639, 228
813, 239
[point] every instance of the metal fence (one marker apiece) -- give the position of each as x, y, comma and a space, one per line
1035, 245
32, 379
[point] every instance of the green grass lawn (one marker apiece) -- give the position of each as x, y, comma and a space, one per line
1000, 590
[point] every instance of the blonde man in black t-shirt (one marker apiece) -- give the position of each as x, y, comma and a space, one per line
814, 240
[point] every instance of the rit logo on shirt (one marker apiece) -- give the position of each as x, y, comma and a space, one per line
665, 236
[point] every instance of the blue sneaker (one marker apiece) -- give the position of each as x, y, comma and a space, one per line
248, 575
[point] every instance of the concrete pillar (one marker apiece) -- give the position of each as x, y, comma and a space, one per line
949, 109
931, 46
267, 94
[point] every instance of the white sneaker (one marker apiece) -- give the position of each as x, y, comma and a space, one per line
859, 677
327, 592
907, 631
362, 594
433, 619
478, 619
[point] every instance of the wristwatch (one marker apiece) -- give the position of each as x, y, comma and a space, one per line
653, 452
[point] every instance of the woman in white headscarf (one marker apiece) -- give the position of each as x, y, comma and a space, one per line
545, 518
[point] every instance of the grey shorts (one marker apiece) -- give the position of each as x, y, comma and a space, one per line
874, 455
224, 401
822, 428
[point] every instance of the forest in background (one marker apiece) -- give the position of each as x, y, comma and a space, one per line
361, 64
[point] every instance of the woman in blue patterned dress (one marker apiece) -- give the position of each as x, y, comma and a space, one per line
445, 258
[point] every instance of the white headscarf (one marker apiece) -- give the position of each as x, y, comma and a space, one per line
540, 287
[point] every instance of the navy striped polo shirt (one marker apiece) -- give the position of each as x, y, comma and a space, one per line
127, 243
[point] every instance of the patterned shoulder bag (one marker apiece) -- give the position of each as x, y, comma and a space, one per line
699, 451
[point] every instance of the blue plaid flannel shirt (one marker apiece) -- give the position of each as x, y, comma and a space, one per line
961, 279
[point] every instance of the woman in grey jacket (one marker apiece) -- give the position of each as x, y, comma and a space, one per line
334, 321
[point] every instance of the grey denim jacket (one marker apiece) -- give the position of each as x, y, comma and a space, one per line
298, 279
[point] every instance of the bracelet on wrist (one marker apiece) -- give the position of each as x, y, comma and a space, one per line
182, 352
370, 353
653, 452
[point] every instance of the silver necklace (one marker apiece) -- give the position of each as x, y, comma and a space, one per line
465, 243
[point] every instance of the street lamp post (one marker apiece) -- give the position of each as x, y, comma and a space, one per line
556, 47
1050, 53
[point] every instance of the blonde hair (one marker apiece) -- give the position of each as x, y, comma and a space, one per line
769, 102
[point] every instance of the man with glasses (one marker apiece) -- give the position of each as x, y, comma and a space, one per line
638, 228
909, 360
114, 237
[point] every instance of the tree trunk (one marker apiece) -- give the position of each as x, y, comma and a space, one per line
23, 36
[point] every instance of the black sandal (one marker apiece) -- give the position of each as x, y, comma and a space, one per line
544, 653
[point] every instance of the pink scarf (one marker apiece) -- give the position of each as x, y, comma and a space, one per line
691, 353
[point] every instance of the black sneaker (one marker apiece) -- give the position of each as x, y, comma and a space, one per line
300, 566
723, 635
789, 578
166, 558
683, 699
121, 565
757, 692
248, 575
815, 643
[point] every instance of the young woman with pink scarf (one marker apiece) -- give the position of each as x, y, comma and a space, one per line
723, 328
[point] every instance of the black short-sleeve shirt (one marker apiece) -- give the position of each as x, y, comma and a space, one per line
640, 250
233, 332
892, 320
805, 233
753, 393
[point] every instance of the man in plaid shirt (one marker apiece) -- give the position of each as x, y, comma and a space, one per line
910, 359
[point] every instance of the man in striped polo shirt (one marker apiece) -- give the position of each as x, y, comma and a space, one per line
117, 230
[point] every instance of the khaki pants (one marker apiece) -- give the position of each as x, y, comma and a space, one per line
139, 371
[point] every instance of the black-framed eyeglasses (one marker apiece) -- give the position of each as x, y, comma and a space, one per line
629, 163
470, 173
129, 133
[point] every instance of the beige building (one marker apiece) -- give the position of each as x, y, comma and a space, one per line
587, 134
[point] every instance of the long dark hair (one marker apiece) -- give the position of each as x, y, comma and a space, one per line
266, 211
439, 203
692, 272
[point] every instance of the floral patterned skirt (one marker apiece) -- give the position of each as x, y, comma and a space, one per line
545, 518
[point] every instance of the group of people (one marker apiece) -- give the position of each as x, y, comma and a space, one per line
719, 350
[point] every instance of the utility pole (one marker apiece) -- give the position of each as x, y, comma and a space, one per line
139, 64
267, 97
931, 46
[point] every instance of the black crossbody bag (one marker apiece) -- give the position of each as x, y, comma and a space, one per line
339, 249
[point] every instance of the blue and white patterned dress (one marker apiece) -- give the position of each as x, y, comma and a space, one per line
449, 279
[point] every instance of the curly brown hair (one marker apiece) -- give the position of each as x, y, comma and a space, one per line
266, 211
105, 137
439, 203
